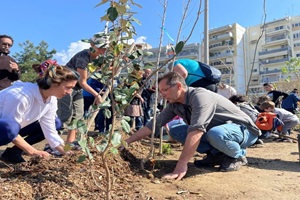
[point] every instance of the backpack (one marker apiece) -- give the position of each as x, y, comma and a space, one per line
211, 73
268, 121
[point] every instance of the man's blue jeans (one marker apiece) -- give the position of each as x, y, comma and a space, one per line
231, 139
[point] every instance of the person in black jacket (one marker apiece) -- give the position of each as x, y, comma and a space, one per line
275, 95
9, 69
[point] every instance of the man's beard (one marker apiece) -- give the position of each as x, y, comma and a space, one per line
4, 53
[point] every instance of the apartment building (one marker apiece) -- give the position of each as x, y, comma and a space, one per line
167, 52
227, 53
276, 42
245, 56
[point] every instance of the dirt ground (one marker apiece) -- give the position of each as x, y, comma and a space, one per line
272, 173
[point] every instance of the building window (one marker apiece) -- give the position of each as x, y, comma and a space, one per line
298, 55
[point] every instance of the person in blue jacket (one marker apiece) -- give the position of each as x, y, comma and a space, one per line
101, 122
190, 70
290, 103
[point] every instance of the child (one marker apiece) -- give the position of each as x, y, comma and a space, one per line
290, 120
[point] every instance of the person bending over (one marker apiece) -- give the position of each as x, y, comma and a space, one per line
28, 111
213, 125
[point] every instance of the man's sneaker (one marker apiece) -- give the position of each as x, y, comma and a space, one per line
51, 150
232, 164
259, 141
13, 156
210, 160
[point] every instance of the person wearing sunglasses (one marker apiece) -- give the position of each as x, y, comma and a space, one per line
6, 42
9, 69
213, 125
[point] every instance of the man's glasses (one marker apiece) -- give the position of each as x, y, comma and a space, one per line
6, 44
166, 89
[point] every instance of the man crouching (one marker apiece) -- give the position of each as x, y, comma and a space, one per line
226, 129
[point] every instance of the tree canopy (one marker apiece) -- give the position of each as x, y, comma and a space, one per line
31, 54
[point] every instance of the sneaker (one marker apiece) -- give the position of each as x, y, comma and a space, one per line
259, 141
75, 146
51, 150
233, 164
210, 160
12, 155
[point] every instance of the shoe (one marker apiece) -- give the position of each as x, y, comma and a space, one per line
12, 155
210, 160
233, 164
51, 150
259, 141
75, 146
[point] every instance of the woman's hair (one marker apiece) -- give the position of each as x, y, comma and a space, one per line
238, 98
56, 74
172, 78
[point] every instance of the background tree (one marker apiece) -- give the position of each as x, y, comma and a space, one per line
31, 54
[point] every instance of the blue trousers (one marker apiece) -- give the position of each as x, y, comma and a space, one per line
231, 139
32, 133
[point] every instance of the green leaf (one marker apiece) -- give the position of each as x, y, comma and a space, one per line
102, 2
127, 118
107, 113
112, 14
114, 150
136, 20
67, 147
116, 139
81, 127
125, 126
123, 1
82, 142
120, 9
148, 53
179, 47
92, 141
105, 104
81, 158
101, 147
87, 151
73, 124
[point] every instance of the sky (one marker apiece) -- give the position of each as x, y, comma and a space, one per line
63, 23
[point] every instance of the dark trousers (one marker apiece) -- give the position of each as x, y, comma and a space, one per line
33, 133
204, 83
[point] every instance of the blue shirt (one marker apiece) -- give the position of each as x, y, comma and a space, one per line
192, 67
96, 85
290, 102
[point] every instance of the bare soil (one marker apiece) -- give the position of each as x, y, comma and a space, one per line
272, 173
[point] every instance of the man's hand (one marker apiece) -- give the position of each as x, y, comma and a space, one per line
13, 66
178, 173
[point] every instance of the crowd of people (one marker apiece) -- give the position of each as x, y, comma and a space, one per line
208, 117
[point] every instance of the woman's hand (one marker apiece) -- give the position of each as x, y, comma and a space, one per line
42, 154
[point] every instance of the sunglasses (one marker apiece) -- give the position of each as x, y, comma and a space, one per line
6, 44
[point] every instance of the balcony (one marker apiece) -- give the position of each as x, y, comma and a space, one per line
274, 52
279, 40
219, 56
277, 30
221, 37
267, 62
270, 71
